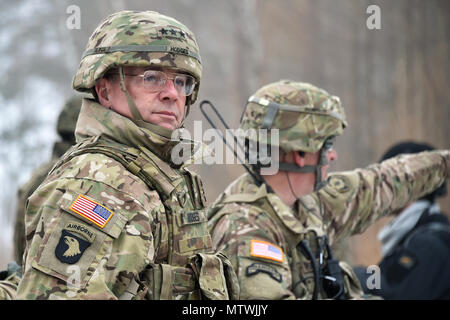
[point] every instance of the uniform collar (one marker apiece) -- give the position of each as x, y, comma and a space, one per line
96, 120
244, 189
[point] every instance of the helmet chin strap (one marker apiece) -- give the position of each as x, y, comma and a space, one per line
317, 169
187, 109
290, 185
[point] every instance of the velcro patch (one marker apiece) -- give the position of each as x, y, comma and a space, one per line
91, 211
256, 268
267, 250
407, 261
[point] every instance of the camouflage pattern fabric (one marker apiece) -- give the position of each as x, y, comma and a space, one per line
131, 235
23, 193
259, 233
65, 127
304, 114
9, 280
140, 39
8, 288
116, 218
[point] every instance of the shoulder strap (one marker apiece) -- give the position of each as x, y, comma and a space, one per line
130, 158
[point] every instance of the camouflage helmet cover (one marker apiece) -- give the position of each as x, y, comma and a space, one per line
304, 114
140, 39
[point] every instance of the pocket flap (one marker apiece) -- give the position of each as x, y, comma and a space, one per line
195, 244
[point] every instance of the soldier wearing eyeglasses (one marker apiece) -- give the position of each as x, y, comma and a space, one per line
116, 218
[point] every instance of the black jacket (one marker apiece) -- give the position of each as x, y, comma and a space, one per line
419, 267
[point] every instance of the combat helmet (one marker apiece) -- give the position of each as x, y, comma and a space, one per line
67, 119
66, 124
139, 39
308, 118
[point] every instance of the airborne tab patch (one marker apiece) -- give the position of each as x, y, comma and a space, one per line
256, 268
264, 249
91, 211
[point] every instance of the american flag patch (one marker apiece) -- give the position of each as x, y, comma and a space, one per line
263, 249
91, 210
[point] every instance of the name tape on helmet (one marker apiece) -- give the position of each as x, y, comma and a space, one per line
287, 107
143, 48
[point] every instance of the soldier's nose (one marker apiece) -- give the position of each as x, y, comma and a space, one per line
169, 92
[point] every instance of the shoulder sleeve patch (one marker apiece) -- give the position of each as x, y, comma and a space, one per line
91, 210
266, 250
338, 182
94, 212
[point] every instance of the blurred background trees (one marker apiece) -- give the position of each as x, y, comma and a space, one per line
393, 82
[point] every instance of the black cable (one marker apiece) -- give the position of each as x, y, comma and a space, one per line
294, 286
320, 240
255, 172
307, 252
334, 271
290, 185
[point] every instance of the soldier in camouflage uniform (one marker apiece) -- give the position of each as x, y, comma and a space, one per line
66, 130
9, 279
277, 229
116, 218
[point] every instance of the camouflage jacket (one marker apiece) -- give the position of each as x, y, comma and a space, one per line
114, 220
8, 288
23, 193
260, 234
9, 280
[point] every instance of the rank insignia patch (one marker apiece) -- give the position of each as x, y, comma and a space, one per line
70, 247
264, 249
91, 210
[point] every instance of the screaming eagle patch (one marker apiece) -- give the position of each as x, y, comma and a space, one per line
75, 239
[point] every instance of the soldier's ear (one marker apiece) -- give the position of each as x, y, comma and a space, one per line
299, 158
103, 89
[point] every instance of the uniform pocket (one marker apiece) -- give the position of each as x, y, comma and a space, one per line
72, 249
73, 245
262, 274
